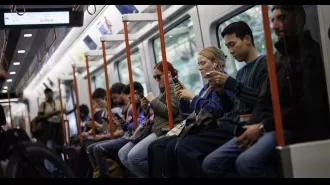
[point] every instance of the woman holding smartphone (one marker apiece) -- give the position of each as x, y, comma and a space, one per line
163, 163
135, 156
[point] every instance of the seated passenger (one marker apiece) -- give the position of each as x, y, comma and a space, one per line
135, 156
110, 148
253, 153
246, 87
209, 59
99, 98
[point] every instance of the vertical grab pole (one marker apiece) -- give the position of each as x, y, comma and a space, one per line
67, 128
77, 102
23, 123
167, 82
62, 111
90, 95
129, 66
272, 77
9, 106
107, 89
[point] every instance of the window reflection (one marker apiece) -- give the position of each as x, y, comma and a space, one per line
253, 18
181, 51
100, 81
137, 70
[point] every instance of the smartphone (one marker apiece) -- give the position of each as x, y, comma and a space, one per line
176, 82
117, 116
139, 93
239, 130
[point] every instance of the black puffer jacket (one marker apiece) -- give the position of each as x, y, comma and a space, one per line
302, 90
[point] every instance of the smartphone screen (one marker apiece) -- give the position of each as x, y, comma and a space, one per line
176, 82
208, 75
140, 94
239, 130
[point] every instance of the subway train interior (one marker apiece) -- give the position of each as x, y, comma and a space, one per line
163, 91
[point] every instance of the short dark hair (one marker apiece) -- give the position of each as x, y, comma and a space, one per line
240, 28
117, 88
137, 87
299, 9
47, 90
99, 93
84, 109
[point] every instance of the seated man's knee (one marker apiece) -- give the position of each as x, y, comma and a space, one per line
208, 165
244, 164
213, 164
97, 149
89, 149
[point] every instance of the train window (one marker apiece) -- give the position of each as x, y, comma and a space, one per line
100, 81
137, 70
253, 18
181, 51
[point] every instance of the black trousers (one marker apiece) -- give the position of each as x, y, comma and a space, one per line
157, 156
192, 149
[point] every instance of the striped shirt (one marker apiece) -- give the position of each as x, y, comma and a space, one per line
246, 88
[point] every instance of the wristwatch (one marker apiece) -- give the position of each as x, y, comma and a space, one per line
262, 129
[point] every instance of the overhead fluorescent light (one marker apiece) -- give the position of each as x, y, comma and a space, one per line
12, 73
5, 87
6, 100
28, 35
16, 63
21, 51
9, 80
4, 91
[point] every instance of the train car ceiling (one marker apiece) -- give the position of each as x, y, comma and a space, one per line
90, 40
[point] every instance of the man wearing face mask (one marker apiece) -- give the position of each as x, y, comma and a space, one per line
303, 102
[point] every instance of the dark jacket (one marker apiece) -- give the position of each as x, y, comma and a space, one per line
302, 90
211, 102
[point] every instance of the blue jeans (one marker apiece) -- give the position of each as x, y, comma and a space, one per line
135, 156
255, 162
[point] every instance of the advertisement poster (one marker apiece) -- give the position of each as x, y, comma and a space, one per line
90, 43
107, 23
126, 9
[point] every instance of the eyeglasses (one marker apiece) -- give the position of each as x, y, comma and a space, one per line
157, 76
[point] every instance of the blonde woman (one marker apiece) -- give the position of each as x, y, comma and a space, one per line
209, 59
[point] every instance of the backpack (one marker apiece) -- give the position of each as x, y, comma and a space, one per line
36, 124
